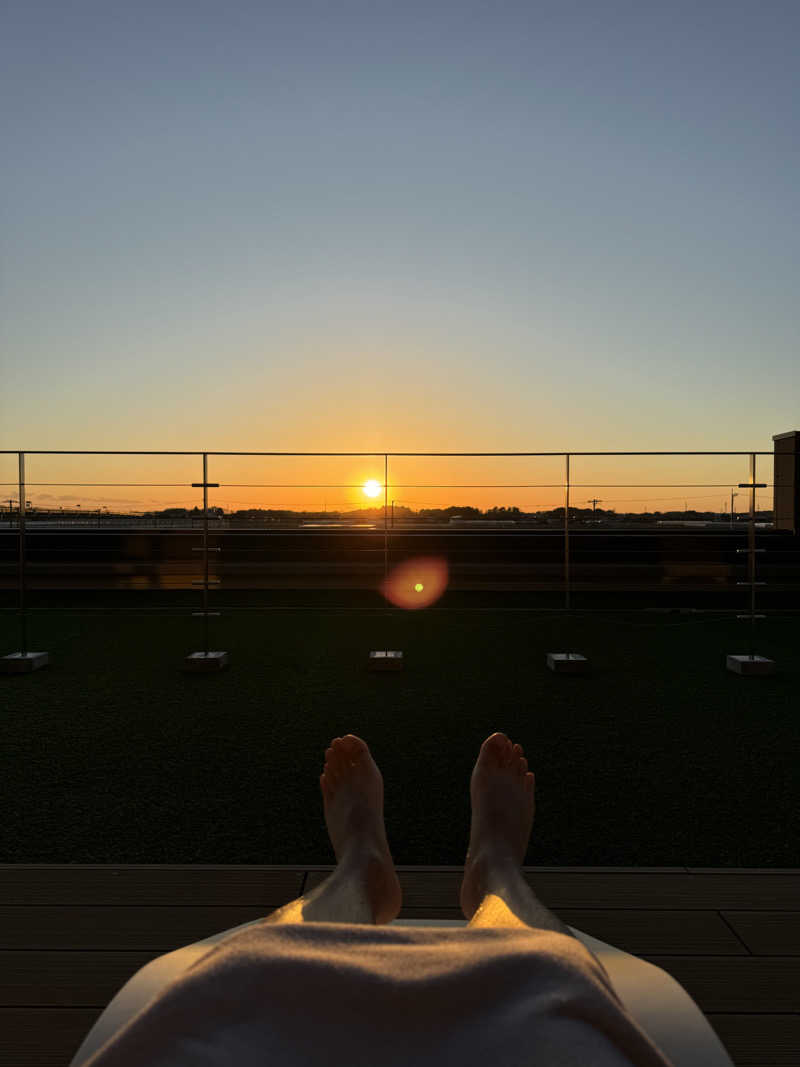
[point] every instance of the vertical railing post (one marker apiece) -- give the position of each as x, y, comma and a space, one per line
205, 552
205, 660
751, 555
385, 516
386, 659
23, 616
566, 532
24, 660
568, 662
752, 664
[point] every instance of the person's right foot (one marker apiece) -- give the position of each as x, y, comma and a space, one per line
501, 790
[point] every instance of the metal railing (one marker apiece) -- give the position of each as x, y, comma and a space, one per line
568, 485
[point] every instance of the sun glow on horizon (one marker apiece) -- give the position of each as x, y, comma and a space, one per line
372, 488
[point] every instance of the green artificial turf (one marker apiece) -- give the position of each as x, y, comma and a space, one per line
661, 757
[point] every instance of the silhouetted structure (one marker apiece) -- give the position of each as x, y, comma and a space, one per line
787, 480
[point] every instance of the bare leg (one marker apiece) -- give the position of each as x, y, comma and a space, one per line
510, 901
494, 891
364, 887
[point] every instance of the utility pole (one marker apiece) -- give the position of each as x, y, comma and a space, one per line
732, 496
594, 502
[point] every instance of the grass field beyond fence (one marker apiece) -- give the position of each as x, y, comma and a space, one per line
659, 758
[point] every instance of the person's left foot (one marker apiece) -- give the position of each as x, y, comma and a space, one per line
352, 793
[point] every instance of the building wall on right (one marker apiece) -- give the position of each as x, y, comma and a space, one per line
786, 480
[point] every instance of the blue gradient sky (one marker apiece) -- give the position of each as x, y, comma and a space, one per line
399, 225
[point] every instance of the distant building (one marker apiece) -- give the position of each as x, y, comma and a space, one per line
786, 481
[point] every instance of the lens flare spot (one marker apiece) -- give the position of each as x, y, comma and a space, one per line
416, 583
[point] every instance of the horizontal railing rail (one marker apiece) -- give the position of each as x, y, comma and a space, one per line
17, 517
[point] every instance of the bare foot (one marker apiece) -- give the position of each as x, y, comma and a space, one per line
352, 793
501, 790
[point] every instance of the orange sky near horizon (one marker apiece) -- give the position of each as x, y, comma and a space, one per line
324, 483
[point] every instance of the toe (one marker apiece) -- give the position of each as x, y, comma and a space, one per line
343, 753
338, 753
494, 748
358, 749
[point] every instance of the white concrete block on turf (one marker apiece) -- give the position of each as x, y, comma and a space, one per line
567, 663
388, 660
23, 662
750, 665
205, 662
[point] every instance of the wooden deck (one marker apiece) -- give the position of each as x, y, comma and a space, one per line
70, 936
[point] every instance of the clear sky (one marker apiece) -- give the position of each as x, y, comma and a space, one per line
406, 225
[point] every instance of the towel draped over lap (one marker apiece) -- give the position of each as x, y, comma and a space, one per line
329, 993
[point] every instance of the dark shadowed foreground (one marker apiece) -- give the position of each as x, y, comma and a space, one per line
659, 758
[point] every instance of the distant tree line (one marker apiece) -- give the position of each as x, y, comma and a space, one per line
402, 513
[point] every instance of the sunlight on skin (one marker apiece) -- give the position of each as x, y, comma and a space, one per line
494, 911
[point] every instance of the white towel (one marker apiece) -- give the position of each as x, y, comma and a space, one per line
340, 993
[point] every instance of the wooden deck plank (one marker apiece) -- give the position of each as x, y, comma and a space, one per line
724, 871
696, 924
567, 889
690, 933
767, 933
100, 927
125, 927
43, 1037
743, 984
677, 891
256, 886
760, 1040
66, 979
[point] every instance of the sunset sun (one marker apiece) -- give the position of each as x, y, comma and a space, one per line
372, 488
